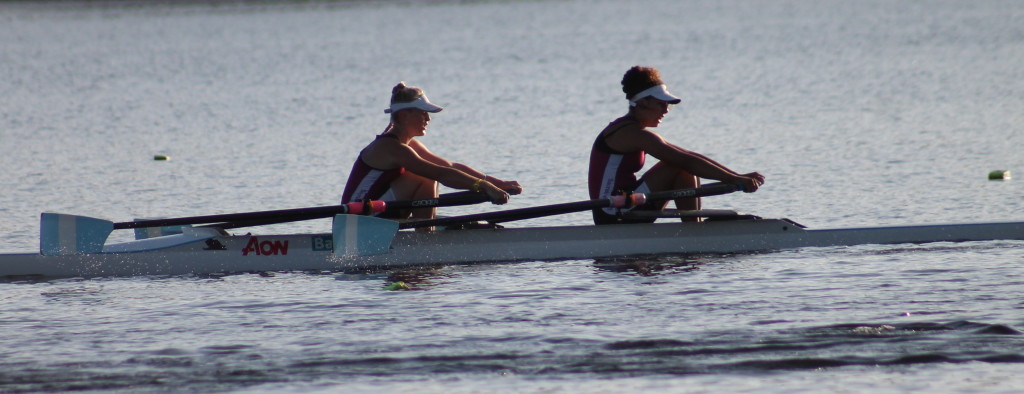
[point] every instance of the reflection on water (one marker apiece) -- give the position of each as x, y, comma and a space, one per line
648, 266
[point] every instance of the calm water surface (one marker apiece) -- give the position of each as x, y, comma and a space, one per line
859, 113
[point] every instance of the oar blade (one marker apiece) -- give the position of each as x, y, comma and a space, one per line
62, 234
357, 235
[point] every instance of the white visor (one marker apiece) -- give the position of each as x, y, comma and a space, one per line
659, 92
420, 103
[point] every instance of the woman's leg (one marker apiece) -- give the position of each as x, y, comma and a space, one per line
410, 186
663, 177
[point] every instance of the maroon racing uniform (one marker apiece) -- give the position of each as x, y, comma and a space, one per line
613, 172
368, 183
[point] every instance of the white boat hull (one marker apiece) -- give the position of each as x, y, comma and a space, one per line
299, 252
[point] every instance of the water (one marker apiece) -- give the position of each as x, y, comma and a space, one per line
859, 113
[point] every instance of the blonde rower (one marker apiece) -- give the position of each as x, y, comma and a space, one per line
397, 166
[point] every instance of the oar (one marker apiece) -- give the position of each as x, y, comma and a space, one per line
73, 234
533, 212
713, 189
300, 214
444, 200
356, 235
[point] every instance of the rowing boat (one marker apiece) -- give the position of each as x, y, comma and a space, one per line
365, 242
209, 251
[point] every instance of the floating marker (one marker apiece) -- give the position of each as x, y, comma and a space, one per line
397, 286
999, 175
161, 158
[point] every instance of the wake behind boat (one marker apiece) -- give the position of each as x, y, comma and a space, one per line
361, 242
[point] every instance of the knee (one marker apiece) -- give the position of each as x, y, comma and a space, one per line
686, 180
427, 188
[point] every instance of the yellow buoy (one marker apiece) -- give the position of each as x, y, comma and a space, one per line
397, 286
999, 175
161, 157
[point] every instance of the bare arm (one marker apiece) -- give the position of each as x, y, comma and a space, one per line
693, 162
426, 154
512, 187
406, 156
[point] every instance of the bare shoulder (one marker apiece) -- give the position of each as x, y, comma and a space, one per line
387, 153
632, 136
387, 145
621, 124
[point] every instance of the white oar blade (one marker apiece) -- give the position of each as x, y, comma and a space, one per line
62, 234
357, 235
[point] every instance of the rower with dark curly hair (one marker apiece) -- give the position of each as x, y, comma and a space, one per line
621, 148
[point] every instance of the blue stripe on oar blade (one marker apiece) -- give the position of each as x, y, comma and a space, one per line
70, 234
357, 235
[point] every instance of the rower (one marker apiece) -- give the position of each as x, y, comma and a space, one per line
397, 166
620, 149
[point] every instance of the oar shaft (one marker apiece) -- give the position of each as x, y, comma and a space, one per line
510, 215
711, 189
263, 222
447, 200
259, 218
527, 213
324, 211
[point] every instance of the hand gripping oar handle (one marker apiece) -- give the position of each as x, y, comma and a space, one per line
533, 212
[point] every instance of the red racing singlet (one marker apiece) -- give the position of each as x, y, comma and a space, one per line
365, 182
610, 170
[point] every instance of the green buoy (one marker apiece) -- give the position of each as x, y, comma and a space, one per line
999, 175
